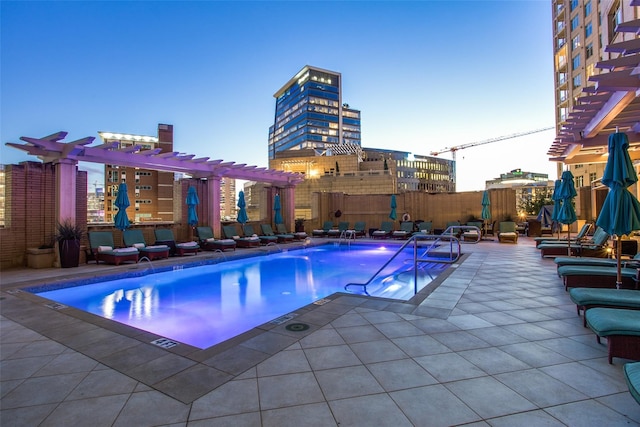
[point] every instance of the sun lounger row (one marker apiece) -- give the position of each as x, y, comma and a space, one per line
594, 247
342, 229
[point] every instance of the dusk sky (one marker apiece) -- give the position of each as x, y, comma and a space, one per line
425, 74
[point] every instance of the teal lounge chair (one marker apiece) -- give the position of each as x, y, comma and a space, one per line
210, 243
135, 238
587, 276
298, 235
164, 236
620, 327
406, 230
632, 377
586, 298
337, 232
324, 231
472, 235
248, 231
282, 238
507, 232
386, 228
360, 228
582, 234
103, 249
424, 227
600, 262
594, 247
230, 232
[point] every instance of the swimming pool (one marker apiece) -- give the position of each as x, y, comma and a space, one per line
203, 306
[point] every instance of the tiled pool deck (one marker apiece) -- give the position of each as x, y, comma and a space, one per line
498, 343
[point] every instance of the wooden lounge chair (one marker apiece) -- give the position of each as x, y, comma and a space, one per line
507, 232
248, 231
209, 243
473, 235
620, 327
600, 262
135, 238
386, 228
586, 298
324, 231
103, 249
297, 235
406, 230
230, 232
164, 236
282, 238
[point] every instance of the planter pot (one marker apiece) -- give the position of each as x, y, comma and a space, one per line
40, 258
69, 253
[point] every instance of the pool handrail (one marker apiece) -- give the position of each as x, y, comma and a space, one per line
416, 259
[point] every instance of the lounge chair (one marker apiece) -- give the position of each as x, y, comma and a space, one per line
297, 235
586, 298
600, 262
406, 230
359, 228
248, 231
424, 227
103, 249
473, 235
582, 234
632, 377
586, 276
594, 247
282, 238
386, 228
230, 232
337, 232
210, 243
621, 328
135, 238
324, 231
507, 232
490, 229
164, 236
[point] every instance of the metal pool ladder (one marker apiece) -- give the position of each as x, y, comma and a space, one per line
447, 236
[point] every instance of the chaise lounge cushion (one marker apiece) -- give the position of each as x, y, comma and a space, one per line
632, 377
586, 298
620, 327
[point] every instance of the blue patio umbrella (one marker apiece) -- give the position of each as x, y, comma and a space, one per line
277, 216
620, 212
393, 215
557, 203
192, 201
567, 214
121, 220
242, 211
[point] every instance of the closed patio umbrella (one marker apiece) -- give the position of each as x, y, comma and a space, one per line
192, 201
486, 209
242, 211
557, 203
121, 220
393, 215
277, 216
567, 214
620, 212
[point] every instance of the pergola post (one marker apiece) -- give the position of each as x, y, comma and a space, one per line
213, 188
288, 206
66, 170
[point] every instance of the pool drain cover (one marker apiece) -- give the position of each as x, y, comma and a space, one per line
297, 327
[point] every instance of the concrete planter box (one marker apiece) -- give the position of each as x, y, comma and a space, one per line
40, 258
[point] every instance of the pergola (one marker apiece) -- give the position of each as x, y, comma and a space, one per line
612, 104
66, 155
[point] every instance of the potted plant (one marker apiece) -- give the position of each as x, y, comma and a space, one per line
68, 236
299, 225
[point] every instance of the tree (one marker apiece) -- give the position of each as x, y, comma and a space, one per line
532, 204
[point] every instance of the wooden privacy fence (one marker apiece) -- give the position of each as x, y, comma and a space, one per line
438, 208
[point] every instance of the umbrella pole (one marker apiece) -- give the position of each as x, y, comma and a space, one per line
569, 239
618, 262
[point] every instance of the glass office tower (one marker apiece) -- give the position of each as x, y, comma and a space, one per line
310, 114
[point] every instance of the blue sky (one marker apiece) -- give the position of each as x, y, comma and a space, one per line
425, 74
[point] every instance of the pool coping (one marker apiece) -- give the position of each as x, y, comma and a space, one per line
185, 372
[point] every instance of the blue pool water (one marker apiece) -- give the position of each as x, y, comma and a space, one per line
203, 306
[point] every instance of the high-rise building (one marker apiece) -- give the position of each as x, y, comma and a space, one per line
310, 114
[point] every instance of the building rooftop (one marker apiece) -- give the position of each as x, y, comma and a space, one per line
497, 343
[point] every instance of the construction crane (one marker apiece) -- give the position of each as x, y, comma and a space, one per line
487, 141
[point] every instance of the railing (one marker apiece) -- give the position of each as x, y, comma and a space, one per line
413, 240
347, 236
